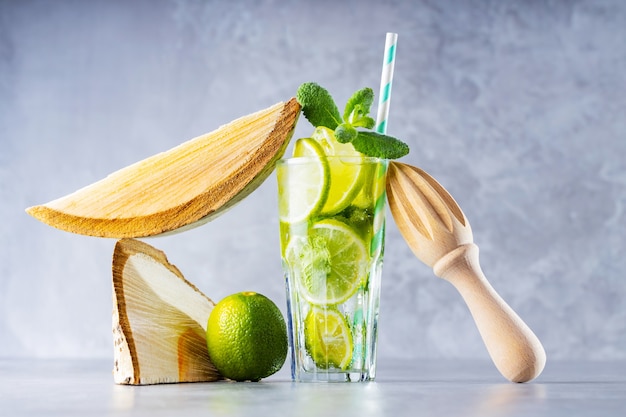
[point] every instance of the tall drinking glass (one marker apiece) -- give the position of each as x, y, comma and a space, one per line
332, 235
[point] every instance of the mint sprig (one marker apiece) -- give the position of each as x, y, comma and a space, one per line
318, 106
358, 108
320, 109
379, 145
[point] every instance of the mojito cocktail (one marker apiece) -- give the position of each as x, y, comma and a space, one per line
332, 226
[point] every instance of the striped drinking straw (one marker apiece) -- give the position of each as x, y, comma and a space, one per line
384, 98
384, 95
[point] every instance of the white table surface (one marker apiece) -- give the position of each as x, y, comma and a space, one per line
412, 388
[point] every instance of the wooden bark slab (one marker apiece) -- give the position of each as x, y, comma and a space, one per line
159, 320
180, 188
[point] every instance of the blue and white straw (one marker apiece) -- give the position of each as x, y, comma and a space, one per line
384, 99
384, 95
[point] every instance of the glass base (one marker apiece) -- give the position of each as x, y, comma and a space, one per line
361, 317
335, 376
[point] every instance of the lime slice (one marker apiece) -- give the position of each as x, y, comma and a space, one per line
329, 264
346, 171
346, 180
303, 191
327, 338
308, 147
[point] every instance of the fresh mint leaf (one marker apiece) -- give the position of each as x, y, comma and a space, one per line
379, 146
344, 133
318, 106
366, 122
358, 106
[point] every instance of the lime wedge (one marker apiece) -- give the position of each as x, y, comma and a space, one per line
346, 180
327, 338
345, 163
302, 192
328, 265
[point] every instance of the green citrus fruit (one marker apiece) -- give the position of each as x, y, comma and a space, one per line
246, 337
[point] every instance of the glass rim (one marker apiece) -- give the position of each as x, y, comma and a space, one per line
299, 160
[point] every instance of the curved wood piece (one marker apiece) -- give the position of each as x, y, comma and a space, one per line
180, 188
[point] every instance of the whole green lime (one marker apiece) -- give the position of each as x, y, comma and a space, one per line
247, 337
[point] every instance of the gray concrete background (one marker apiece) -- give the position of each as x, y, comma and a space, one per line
517, 107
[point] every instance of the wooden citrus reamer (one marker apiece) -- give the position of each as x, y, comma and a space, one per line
439, 234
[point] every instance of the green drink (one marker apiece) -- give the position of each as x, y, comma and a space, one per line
331, 210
